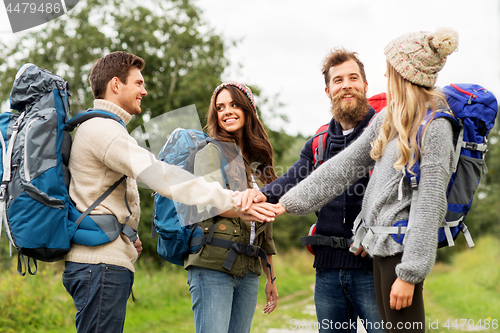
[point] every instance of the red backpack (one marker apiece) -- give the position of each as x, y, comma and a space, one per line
378, 102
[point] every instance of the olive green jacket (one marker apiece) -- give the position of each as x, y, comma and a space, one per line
208, 163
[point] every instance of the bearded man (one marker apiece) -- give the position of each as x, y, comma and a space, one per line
344, 286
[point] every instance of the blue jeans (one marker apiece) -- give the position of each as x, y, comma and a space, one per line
341, 296
222, 302
100, 293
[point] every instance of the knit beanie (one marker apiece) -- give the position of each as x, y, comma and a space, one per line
419, 56
241, 87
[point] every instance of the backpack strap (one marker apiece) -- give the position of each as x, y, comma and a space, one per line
459, 136
234, 248
106, 224
100, 199
6, 177
414, 176
84, 115
224, 161
400, 229
64, 93
318, 145
23, 264
8, 158
109, 225
363, 234
322, 240
358, 231
190, 161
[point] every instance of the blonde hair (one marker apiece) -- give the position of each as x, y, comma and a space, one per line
406, 109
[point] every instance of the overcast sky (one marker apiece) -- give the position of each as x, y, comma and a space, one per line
283, 42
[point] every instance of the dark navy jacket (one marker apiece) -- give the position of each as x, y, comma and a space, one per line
336, 217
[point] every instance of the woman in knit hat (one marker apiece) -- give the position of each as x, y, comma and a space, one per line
413, 62
224, 283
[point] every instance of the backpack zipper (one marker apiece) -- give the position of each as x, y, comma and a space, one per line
471, 95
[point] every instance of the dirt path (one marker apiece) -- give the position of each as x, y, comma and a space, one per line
306, 307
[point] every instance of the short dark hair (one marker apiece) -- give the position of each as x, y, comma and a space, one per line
338, 56
116, 64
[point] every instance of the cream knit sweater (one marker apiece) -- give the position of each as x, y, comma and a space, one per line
102, 152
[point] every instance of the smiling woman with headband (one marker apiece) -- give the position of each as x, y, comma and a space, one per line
223, 276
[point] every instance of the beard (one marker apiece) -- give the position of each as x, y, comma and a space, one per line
349, 112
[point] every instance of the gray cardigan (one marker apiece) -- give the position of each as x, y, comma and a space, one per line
381, 206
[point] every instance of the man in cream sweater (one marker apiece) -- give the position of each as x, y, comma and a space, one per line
100, 278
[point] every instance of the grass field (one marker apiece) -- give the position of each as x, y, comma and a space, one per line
467, 292
460, 295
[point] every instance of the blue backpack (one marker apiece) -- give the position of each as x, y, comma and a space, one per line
36, 211
474, 112
175, 222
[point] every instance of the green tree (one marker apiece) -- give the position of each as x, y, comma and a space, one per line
184, 61
184, 57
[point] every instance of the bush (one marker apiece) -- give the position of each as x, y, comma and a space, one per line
32, 303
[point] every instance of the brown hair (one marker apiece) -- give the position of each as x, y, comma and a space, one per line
338, 56
116, 64
254, 135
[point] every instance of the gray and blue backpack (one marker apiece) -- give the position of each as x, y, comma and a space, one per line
174, 222
36, 211
474, 110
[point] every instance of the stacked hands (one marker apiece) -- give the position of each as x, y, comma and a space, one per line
253, 206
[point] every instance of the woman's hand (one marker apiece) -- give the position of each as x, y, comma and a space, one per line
281, 209
272, 297
260, 212
270, 288
249, 197
361, 251
401, 294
